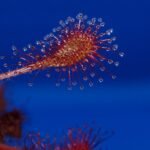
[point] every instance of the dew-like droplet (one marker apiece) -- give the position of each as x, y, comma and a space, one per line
63, 79
114, 77
69, 88
29, 46
24, 49
92, 74
84, 68
102, 24
81, 87
14, 48
19, 63
100, 20
85, 78
43, 50
57, 84
91, 84
48, 75
116, 63
100, 80
54, 30
109, 31
14, 53
74, 83
79, 16
5, 65
92, 64
102, 69
85, 17
114, 47
110, 61
30, 84
121, 54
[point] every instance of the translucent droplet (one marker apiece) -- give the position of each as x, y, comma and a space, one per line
57, 84
69, 88
61, 22
81, 87
63, 79
45, 38
98, 27
115, 47
121, 54
93, 21
89, 22
14, 48
85, 17
72, 20
66, 22
114, 76
51, 35
109, 31
43, 50
116, 63
102, 59
92, 64
14, 53
48, 75
19, 63
22, 58
58, 29
91, 84
110, 61
114, 38
29, 46
92, 74
102, 69
24, 49
5, 65
79, 16
74, 83
69, 19
100, 20
84, 68
85, 78
100, 80
102, 24
54, 30
30, 84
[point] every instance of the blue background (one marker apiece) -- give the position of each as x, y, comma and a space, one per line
122, 105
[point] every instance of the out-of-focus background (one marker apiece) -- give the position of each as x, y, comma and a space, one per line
122, 105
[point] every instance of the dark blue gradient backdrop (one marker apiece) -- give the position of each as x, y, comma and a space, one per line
122, 105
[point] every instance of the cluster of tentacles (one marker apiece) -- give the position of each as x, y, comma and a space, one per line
76, 139
79, 50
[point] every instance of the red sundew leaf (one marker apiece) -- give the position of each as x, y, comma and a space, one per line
6, 147
75, 45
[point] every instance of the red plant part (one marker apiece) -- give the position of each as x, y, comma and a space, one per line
85, 139
76, 139
34, 141
77, 48
5, 147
